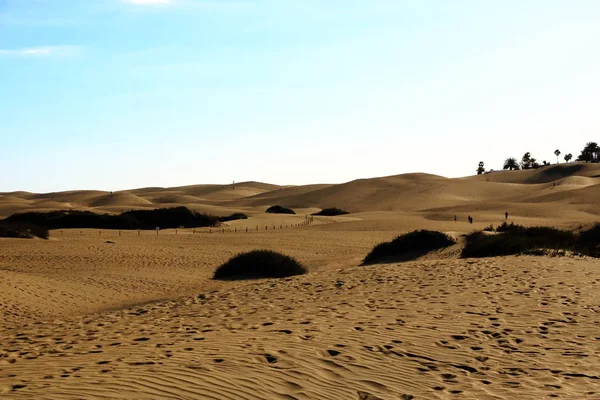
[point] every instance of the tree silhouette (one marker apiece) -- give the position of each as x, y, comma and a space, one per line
568, 157
526, 161
511, 164
481, 168
557, 153
590, 153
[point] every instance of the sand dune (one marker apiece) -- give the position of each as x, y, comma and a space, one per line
119, 199
176, 199
415, 192
97, 314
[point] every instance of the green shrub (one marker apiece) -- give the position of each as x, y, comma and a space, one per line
517, 241
257, 264
409, 246
505, 227
588, 242
22, 231
331, 212
279, 210
164, 218
233, 217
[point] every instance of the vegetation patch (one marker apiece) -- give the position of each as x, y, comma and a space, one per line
489, 228
279, 210
516, 239
409, 246
233, 217
588, 242
165, 218
512, 227
22, 231
331, 212
257, 264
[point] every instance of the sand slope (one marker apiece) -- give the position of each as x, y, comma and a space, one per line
508, 328
95, 314
408, 192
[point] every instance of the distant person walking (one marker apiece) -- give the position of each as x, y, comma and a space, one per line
470, 219
506, 215
455, 218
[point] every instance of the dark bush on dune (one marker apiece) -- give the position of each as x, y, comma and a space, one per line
331, 212
512, 227
409, 246
588, 242
517, 241
165, 218
169, 218
279, 210
258, 264
233, 217
22, 231
61, 219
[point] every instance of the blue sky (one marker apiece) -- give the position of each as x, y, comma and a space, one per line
117, 94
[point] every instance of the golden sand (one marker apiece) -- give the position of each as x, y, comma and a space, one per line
140, 318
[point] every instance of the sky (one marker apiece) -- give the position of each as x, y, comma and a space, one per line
121, 94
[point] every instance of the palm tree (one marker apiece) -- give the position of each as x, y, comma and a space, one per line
590, 153
557, 153
568, 157
481, 168
511, 164
526, 161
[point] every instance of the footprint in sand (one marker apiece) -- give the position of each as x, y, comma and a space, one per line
367, 396
271, 359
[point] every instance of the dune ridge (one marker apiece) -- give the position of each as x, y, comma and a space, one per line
416, 192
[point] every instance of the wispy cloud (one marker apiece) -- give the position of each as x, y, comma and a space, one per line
41, 51
150, 2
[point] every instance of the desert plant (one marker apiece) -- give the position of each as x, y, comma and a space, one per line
22, 231
233, 217
557, 153
257, 264
409, 246
506, 227
166, 218
489, 228
568, 157
480, 168
279, 210
590, 153
528, 162
517, 240
588, 242
331, 212
511, 164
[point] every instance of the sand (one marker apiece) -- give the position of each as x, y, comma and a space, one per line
140, 318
